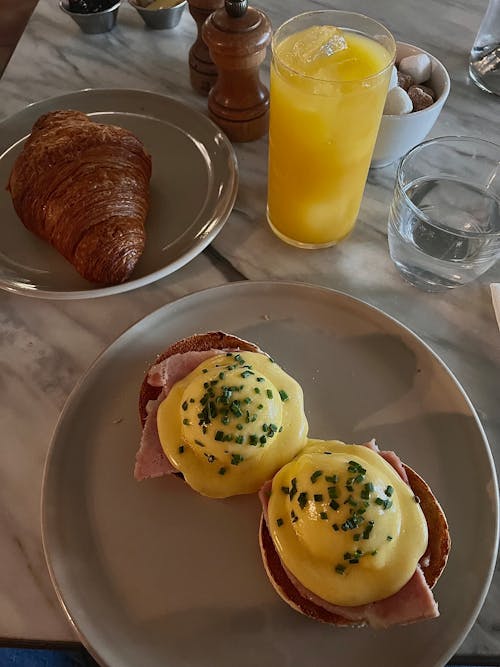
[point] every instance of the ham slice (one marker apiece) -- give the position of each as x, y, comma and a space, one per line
413, 602
150, 460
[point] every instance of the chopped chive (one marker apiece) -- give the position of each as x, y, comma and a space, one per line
285, 490
235, 409
318, 497
333, 479
239, 439
225, 420
222, 375
204, 370
199, 443
236, 459
219, 436
283, 395
293, 489
191, 400
245, 374
260, 406
333, 492
260, 379
248, 400
358, 479
323, 515
222, 471
356, 537
186, 422
315, 475
353, 561
273, 428
252, 440
185, 406
256, 389
302, 499
262, 439
279, 521
239, 359
389, 491
335, 527
334, 505
340, 569
181, 449
269, 393
347, 555
389, 538
239, 427
379, 501
374, 552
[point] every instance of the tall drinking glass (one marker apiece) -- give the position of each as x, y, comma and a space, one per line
329, 78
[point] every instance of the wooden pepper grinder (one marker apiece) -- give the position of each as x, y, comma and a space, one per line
237, 37
202, 70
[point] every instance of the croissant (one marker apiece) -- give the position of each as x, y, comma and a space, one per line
84, 188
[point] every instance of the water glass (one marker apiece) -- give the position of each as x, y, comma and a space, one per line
444, 221
484, 61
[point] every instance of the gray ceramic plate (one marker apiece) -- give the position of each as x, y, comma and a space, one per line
193, 188
152, 574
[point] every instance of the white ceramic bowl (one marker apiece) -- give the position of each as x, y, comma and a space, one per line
399, 133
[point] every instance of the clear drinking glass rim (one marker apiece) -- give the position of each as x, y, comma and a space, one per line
334, 11
444, 139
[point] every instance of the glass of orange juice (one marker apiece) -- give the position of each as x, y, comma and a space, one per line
329, 78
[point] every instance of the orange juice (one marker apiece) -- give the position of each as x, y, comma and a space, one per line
328, 88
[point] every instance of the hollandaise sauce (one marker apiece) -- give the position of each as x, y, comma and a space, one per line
230, 424
345, 524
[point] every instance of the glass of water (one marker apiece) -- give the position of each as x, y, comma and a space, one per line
484, 61
444, 221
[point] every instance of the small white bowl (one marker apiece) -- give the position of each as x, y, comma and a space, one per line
399, 133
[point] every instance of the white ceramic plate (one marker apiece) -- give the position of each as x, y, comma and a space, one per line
193, 188
152, 574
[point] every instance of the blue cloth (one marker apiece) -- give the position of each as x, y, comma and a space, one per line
16, 657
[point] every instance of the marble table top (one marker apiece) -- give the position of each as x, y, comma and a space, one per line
45, 346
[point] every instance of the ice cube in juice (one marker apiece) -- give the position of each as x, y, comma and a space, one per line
328, 88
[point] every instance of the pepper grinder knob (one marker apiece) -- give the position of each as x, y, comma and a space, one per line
236, 8
237, 37
202, 69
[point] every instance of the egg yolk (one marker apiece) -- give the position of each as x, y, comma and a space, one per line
345, 524
230, 424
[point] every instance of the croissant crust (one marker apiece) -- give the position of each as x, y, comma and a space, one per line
84, 188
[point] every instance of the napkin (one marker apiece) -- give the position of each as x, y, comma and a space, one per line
495, 295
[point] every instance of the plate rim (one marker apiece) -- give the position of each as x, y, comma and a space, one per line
264, 284
184, 258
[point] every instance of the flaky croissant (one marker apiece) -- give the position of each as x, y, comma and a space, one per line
84, 188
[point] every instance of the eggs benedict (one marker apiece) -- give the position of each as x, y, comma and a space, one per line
351, 536
225, 416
